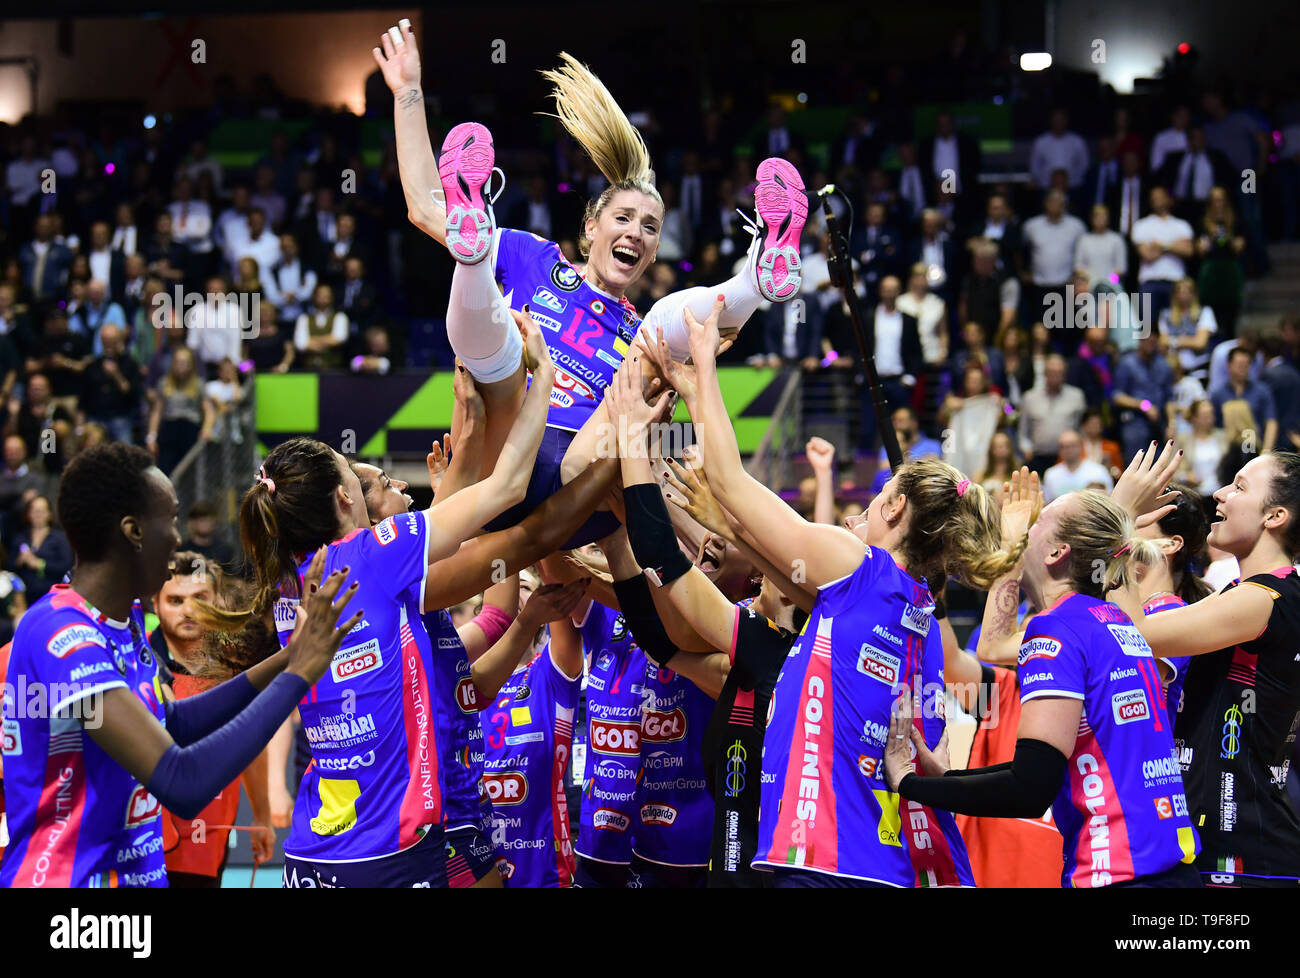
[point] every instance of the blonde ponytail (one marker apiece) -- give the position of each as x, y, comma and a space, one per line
589, 113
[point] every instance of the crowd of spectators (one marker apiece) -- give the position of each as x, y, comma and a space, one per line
1100, 274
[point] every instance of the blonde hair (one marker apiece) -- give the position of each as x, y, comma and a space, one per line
589, 113
1238, 418
952, 532
1103, 544
1193, 310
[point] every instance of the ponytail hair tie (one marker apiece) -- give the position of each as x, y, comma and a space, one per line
962, 487
1121, 551
266, 480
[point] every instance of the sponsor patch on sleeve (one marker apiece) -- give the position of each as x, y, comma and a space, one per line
1039, 647
71, 638
385, 532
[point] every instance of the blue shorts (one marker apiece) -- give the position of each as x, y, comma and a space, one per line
470, 856
422, 865
545, 482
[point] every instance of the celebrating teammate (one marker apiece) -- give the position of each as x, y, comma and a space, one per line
589, 321
1092, 733
369, 811
102, 745
1241, 697
826, 819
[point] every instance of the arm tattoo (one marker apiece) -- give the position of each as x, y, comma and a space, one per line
1005, 598
412, 97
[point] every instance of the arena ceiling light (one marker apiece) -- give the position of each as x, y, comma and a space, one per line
1035, 61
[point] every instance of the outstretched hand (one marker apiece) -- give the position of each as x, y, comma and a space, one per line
703, 337
1022, 501
627, 404
1143, 486
437, 460
688, 488
399, 61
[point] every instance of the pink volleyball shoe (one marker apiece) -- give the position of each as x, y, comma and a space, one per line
782, 208
465, 167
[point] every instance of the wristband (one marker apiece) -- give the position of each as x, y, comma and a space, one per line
651, 533
494, 623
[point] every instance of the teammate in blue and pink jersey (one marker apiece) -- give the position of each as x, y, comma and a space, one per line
1093, 731
528, 731
370, 808
92, 744
1172, 581
826, 817
674, 823
615, 697
589, 322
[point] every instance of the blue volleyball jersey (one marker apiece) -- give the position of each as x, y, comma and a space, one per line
674, 805
1122, 809
528, 731
76, 817
615, 694
825, 806
459, 731
374, 786
1178, 663
586, 330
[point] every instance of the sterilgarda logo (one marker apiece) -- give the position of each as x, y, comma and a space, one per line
880, 665
72, 638
353, 662
657, 814
1130, 707
1039, 648
610, 820
385, 532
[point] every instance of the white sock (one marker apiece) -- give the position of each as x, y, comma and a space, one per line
479, 325
740, 298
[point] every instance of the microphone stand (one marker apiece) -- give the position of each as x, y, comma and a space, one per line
841, 274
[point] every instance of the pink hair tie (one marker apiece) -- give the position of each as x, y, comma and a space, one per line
266, 480
1121, 551
962, 487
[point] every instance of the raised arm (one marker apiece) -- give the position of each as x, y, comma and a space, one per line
452, 521
824, 553
399, 61
1220, 621
549, 603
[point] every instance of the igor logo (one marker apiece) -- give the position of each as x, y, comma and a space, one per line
660, 728
612, 737
1129, 707
467, 696
565, 276
565, 381
350, 663
505, 787
71, 638
878, 664
141, 807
